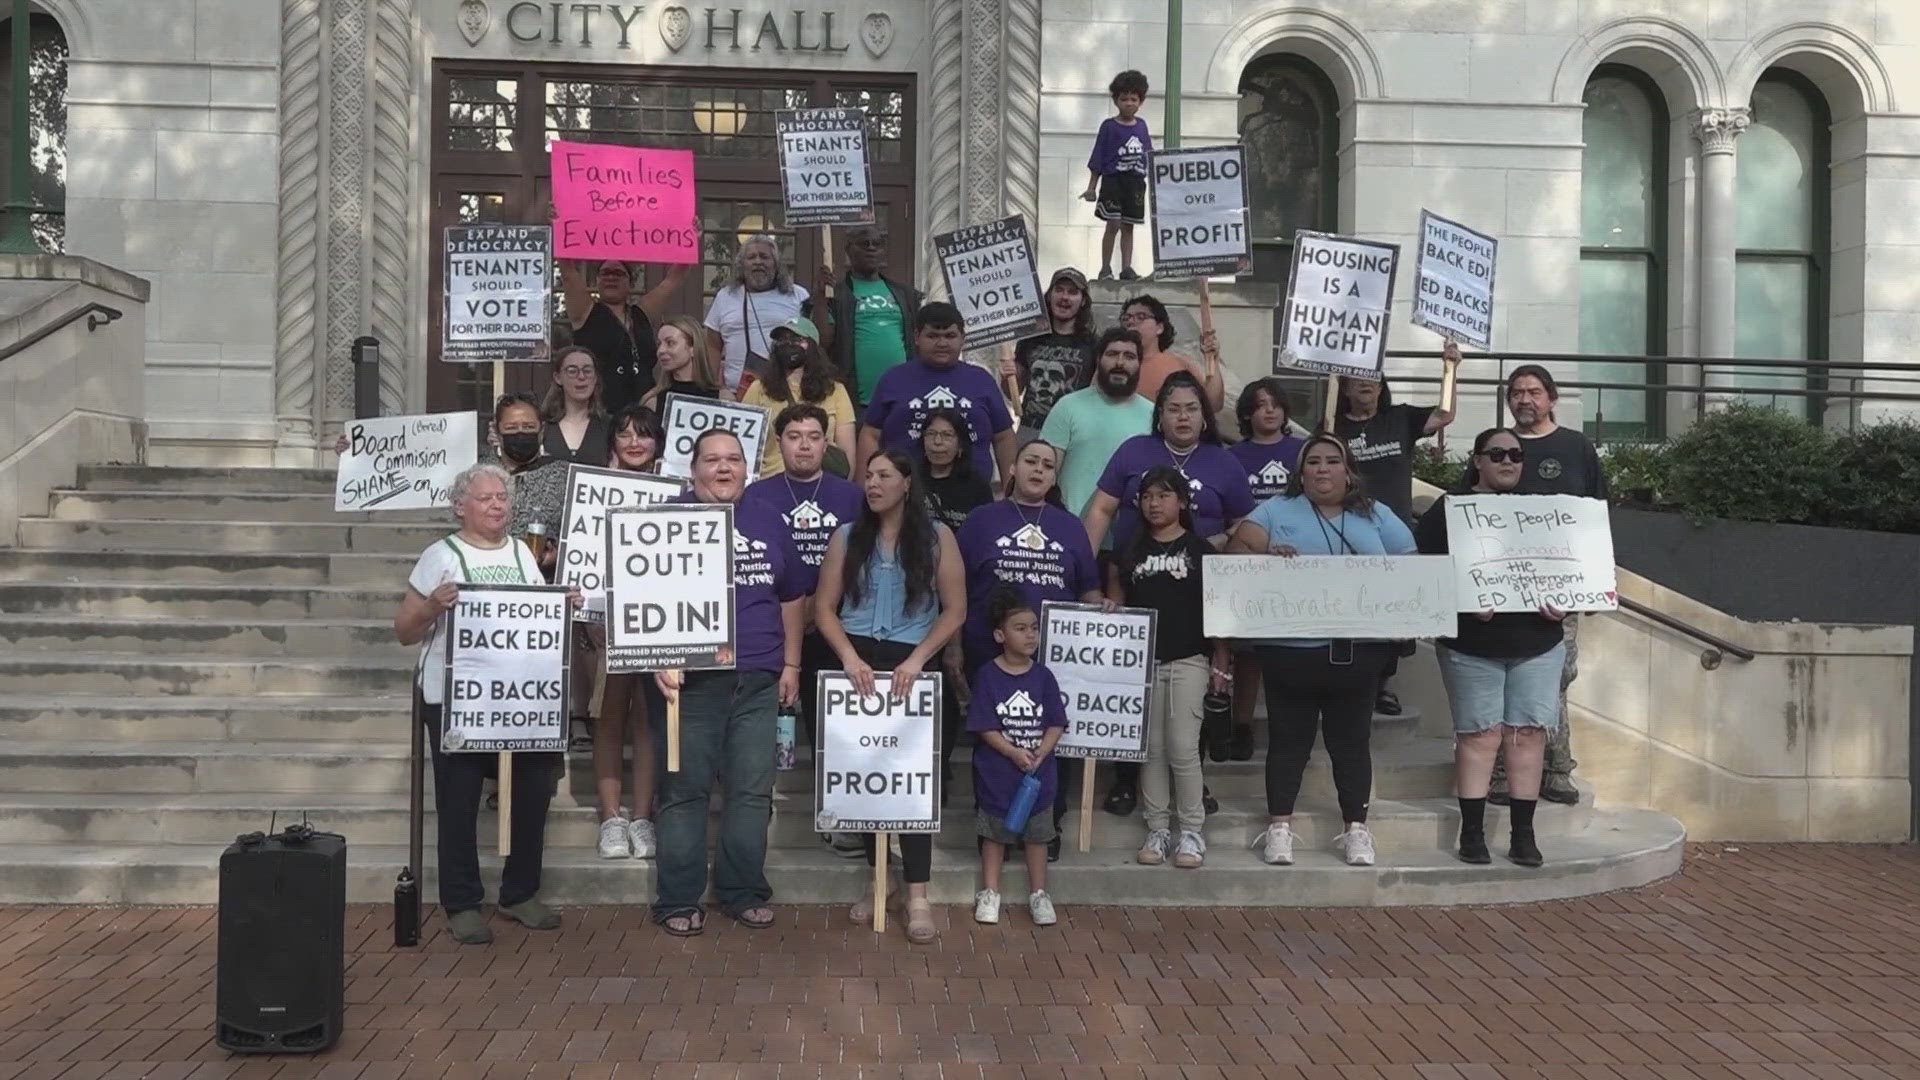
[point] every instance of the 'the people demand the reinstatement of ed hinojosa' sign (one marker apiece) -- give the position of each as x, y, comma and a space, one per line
825, 176
1520, 552
1338, 301
1454, 281
1200, 212
499, 279
991, 277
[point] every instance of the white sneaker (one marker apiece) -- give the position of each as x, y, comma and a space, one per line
1154, 851
1276, 844
986, 907
1041, 905
1191, 852
1357, 841
640, 836
614, 842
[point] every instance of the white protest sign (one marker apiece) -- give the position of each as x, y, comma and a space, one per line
1338, 300
686, 417
1103, 662
1517, 552
508, 647
591, 493
404, 462
878, 764
825, 176
990, 275
669, 587
498, 285
1454, 281
1328, 596
1200, 212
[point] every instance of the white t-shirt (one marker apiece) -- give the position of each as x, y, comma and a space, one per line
453, 559
744, 319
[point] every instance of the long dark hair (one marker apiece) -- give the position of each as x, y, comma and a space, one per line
1480, 442
1249, 400
918, 547
645, 423
554, 405
963, 435
1210, 425
1053, 493
1173, 480
1357, 500
818, 376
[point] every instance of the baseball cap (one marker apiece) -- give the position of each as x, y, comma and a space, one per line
1070, 274
802, 326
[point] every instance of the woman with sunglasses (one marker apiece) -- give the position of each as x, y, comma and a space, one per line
1502, 673
609, 321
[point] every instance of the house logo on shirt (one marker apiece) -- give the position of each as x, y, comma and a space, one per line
751, 566
1020, 706
1133, 155
940, 397
1029, 538
1273, 474
809, 517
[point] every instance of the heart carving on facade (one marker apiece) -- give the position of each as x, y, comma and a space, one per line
876, 32
474, 19
676, 26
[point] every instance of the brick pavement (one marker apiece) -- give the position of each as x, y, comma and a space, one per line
1761, 962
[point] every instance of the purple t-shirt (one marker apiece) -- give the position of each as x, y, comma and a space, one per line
811, 510
1268, 465
1121, 147
907, 392
1220, 492
766, 573
1021, 707
1042, 551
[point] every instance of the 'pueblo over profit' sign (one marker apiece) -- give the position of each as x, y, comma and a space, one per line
991, 277
1200, 212
825, 177
499, 281
1338, 301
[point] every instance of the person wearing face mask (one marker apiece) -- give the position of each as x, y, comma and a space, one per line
740, 321
1502, 673
867, 318
808, 379
539, 481
1089, 425
614, 327
687, 365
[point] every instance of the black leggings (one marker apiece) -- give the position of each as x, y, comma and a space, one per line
1308, 694
916, 849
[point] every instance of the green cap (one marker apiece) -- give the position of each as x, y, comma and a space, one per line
801, 325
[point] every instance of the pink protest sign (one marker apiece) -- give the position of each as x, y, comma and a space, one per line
624, 202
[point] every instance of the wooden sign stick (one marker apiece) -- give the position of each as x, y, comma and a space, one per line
1333, 403
880, 841
506, 803
673, 732
1086, 805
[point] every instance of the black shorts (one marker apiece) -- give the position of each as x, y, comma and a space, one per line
1123, 198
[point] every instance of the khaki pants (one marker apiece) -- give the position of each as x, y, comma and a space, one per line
1173, 746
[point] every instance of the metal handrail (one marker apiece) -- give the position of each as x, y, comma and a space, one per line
98, 315
1642, 358
1682, 388
1717, 646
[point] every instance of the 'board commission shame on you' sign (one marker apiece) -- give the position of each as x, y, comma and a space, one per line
990, 274
825, 175
1328, 596
624, 202
1453, 279
1200, 212
498, 282
508, 651
1103, 662
878, 765
404, 462
670, 587
687, 417
1517, 552
591, 493
1339, 297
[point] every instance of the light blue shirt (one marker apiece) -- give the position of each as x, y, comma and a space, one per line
881, 612
1294, 521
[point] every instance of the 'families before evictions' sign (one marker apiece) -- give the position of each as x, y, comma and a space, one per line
624, 202
1338, 301
878, 762
1200, 212
687, 417
991, 277
1328, 596
670, 587
1103, 662
404, 462
1517, 552
499, 282
1454, 275
591, 493
825, 177
508, 650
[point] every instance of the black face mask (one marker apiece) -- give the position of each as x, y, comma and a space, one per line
788, 355
521, 447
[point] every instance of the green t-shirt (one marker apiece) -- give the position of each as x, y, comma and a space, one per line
879, 333
1088, 427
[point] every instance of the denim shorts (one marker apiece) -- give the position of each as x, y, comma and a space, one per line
1485, 691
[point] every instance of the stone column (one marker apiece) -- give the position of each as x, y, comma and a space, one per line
984, 115
1717, 129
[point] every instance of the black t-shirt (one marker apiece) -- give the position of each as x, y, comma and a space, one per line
1165, 576
1051, 366
595, 445
626, 361
952, 497
1509, 635
1562, 462
1382, 448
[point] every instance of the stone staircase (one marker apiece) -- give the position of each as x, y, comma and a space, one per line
190, 652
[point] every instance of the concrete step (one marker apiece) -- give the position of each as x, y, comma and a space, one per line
175, 478
73, 505
1622, 849
200, 637
150, 535
48, 676
204, 568
83, 599
160, 720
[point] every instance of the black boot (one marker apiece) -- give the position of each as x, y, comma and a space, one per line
1122, 797
1523, 851
1473, 847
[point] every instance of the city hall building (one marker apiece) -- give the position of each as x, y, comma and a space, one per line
1687, 178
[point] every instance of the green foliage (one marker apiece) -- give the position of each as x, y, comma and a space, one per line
1432, 465
1753, 463
1877, 478
1636, 473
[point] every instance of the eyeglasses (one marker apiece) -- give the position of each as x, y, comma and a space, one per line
1500, 455
577, 372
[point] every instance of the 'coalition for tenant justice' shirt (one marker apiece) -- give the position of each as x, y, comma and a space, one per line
1020, 707
767, 572
1219, 486
1041, 551
811, 510
907, 393
1269, 465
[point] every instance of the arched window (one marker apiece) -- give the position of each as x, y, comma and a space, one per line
1781, 232
47, 117
1290, 128
1623, 245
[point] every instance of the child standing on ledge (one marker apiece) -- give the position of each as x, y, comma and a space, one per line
1118, 186
1018, 715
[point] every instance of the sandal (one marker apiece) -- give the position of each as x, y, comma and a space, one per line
757, 917
861, 913
920, 928
691, 922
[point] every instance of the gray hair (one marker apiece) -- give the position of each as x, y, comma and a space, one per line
457, 494
782, 279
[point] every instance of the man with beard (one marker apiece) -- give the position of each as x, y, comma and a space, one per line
1051, 366
1559, 461
869, 324
1089, 425
761, 296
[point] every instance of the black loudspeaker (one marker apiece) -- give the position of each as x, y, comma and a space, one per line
281, 984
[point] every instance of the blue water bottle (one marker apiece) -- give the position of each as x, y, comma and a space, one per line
1023, 800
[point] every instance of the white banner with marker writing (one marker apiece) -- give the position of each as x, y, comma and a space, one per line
1104, 663
404, 462
669, 587
1454, 281
1338, 301
1328, 596
591, 493
687, 417
878, 765
508, 648
1517, 552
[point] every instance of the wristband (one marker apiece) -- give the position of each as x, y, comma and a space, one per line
1223, 674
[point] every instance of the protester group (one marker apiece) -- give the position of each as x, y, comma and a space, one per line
904, 512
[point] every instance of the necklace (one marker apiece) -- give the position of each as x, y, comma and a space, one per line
1179, 459
1321, 520
794, 495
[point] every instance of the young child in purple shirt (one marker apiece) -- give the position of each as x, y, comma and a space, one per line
1118, 184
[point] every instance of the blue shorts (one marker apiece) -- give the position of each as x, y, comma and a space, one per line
1487, 691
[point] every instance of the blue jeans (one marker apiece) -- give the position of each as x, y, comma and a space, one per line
726, 734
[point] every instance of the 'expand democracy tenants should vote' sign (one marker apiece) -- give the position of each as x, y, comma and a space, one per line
991, 277
1338, 300
1103, 662
499, 281
879, 758
825, 176
1454, 279
624, 202
669, 587
1328, 596
1517, 552
686, 417
404, 462
508, 650
591, 493
1200, 212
